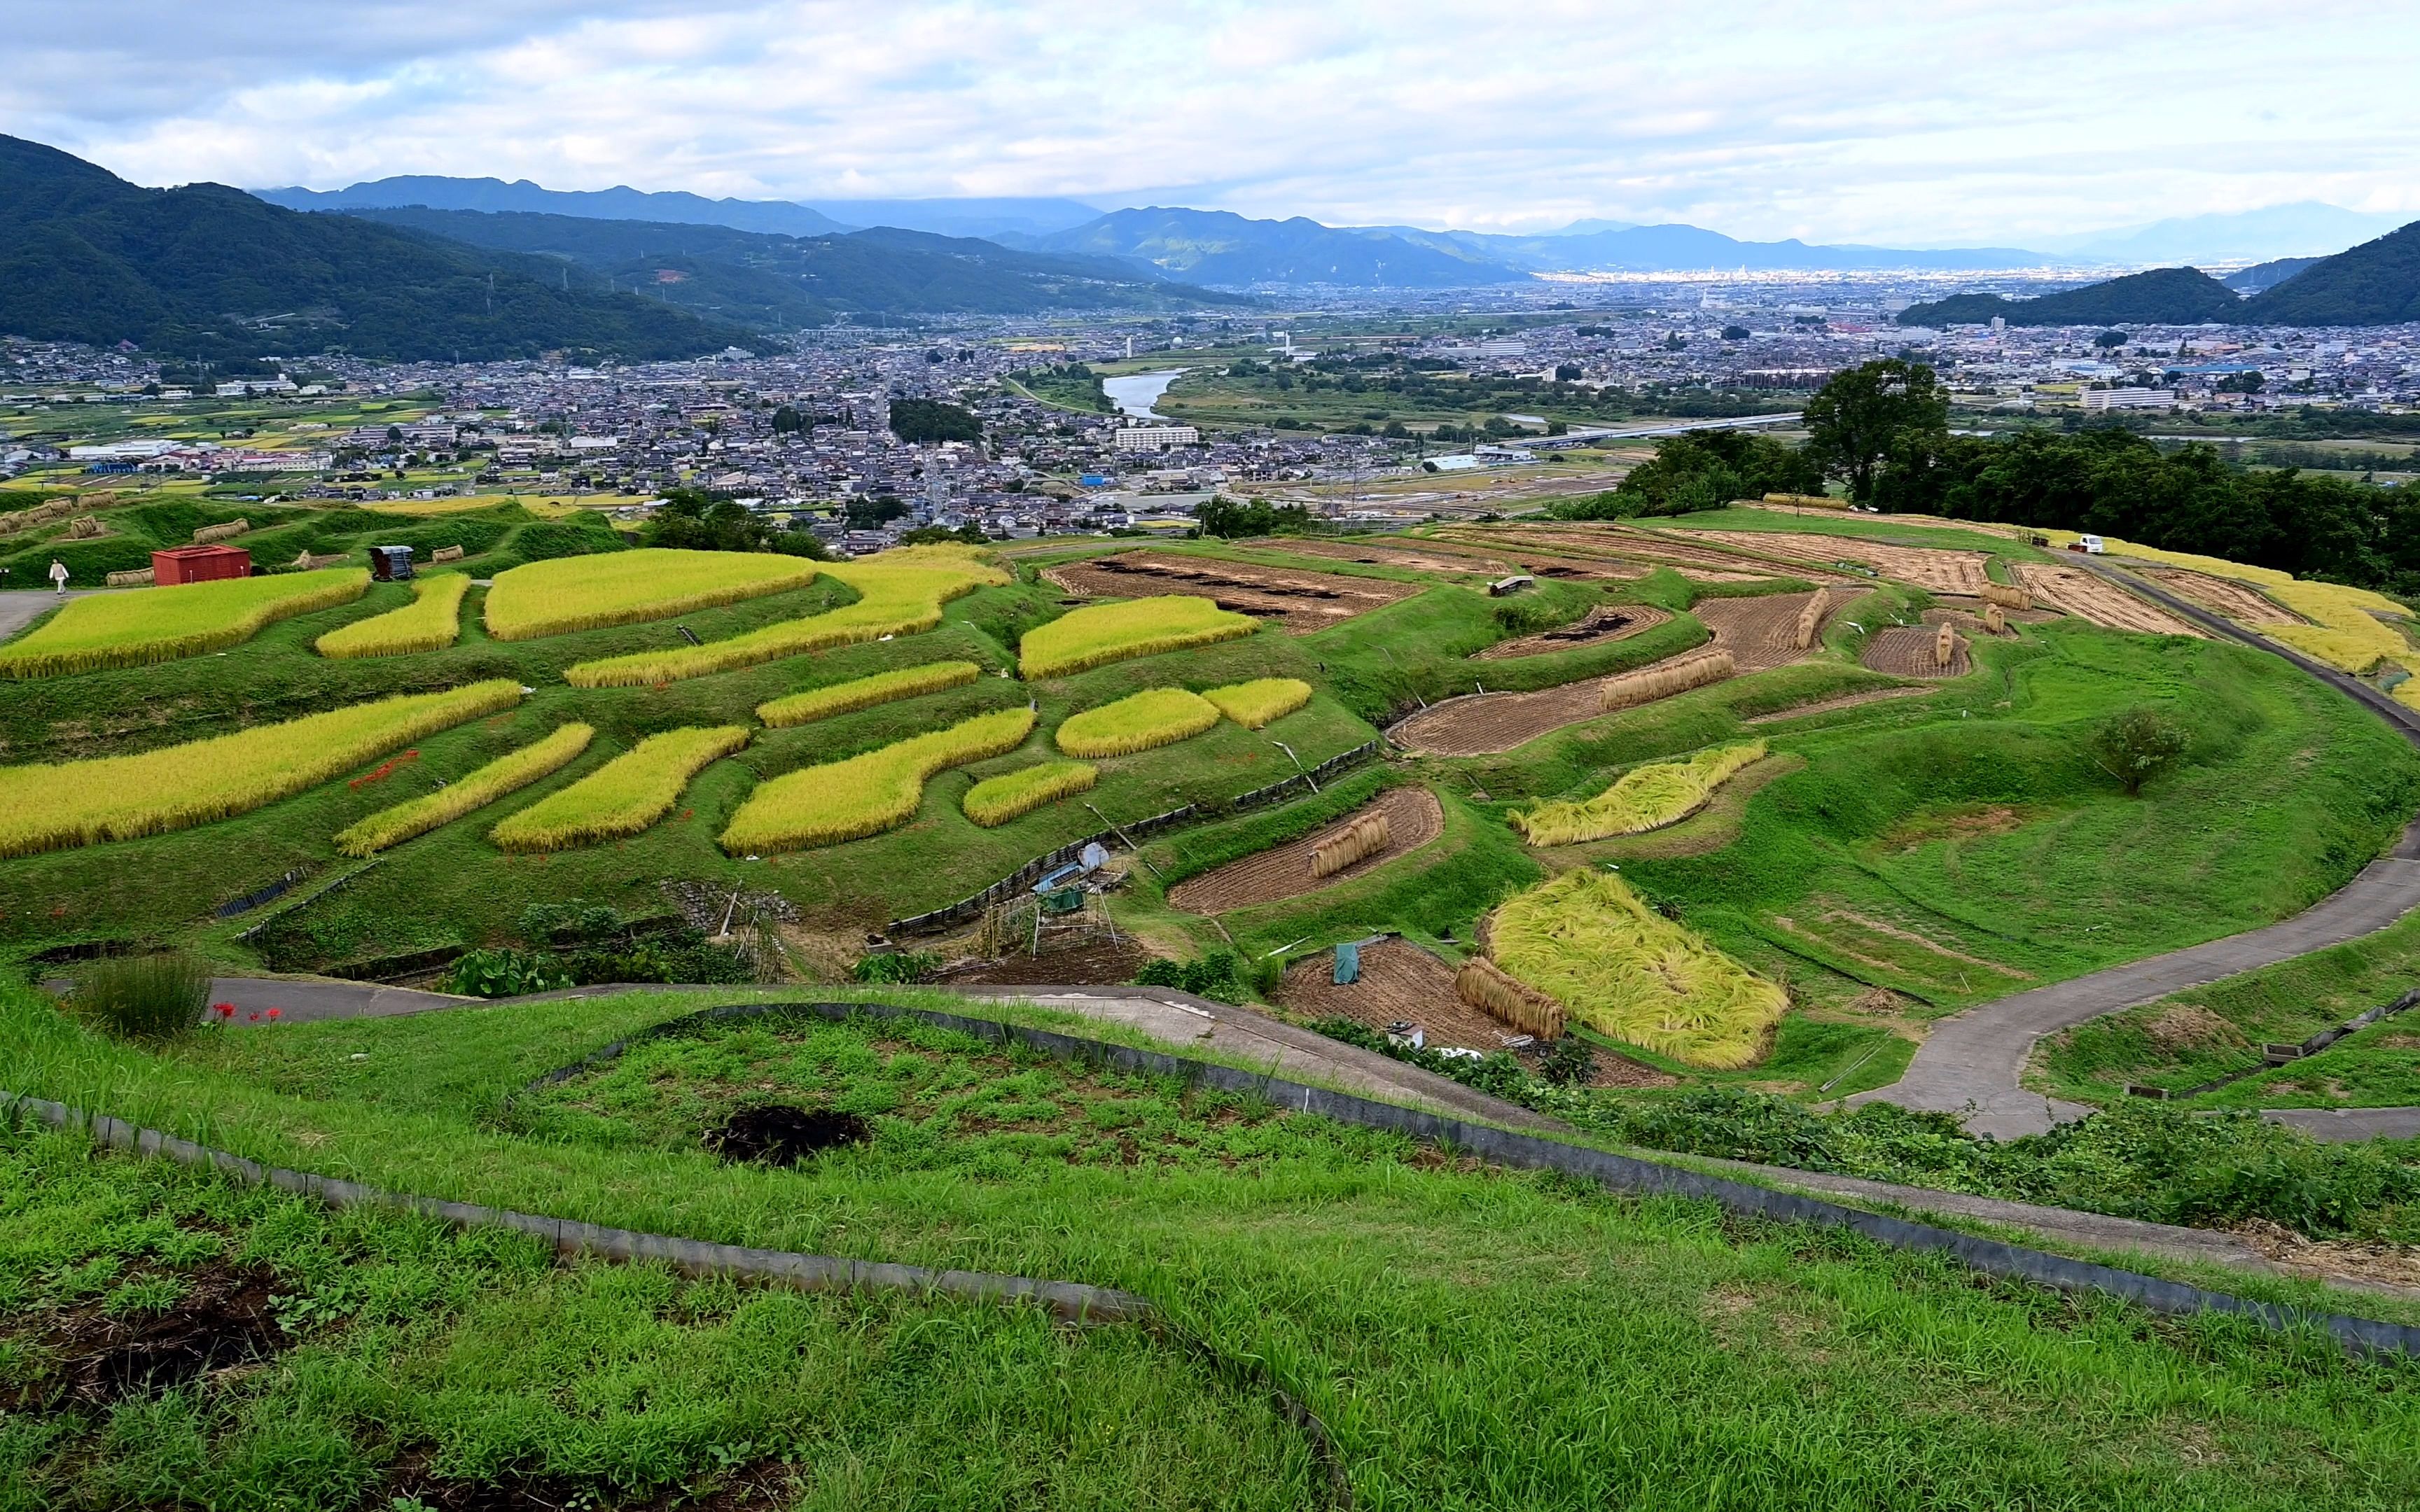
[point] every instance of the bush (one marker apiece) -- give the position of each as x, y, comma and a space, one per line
148, 998
1219, 976
896, 968
505, 973
2137, 745
1570, 1061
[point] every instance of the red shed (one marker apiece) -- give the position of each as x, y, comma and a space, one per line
199, 564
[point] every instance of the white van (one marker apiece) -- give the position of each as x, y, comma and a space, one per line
2090, 545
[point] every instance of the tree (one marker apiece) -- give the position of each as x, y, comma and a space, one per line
1888, 413
697, 520
1231, 521
920, 421
1735, 333
935, 535
2109, 340
1567, 372
1701, 469
2137, 745
786, 419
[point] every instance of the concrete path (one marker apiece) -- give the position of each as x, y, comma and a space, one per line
1976, 1058
2345, 1126
21, 607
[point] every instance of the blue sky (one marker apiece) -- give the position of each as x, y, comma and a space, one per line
1936, 123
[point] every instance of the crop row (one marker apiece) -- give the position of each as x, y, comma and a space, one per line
134, 627
591, 593
508, 773
865, 692
865, 795
431, 621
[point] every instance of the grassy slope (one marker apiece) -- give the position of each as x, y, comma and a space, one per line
1696, 1362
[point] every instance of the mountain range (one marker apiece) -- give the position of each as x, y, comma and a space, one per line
940, 217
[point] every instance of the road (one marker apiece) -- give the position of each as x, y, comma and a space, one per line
21, 607
1975, 1059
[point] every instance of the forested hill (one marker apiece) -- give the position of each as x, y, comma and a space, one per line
787, 282
204, 270
2375, 283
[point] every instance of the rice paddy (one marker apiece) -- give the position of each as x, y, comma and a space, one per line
869, 793
432, 621
1646, 798
1261, 701
1140, 722
904, 592
625, 797
996, 800
55, 806
508, 773
865, 692
590, 593
1588, 941
1100, 634
136, 626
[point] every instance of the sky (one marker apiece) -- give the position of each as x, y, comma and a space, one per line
1945, 122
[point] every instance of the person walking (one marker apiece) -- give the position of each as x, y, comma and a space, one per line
60, 576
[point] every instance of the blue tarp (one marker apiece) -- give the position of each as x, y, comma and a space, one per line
1348, 965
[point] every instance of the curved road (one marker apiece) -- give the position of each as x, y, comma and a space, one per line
1976, 1057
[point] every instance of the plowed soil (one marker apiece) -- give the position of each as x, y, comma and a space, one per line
1489, 724
1763, 633
1301, 600
1096, 962
1284, 870
1610, 622
1931, 568
1374, 555
1906, 651
224, 1317
2090, 596
2240, 602
1616, 552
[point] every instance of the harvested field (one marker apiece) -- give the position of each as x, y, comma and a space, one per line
1907, 651
1489, 724
1374, 555
1931, 568
1402, 983
1846, 701
1414, 815
1614, 551
2089, 596
1300, 599
1610, 621
1763, 633
1570, 565
1092, 963
2240, 602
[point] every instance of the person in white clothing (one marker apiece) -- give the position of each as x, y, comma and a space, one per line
59, 574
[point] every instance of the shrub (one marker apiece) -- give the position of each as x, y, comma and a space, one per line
45, 807
996, 800
589, 593
1257, 702
1219, 976
865, 795
621, 797
1099, 634
146, 997
508, 773
431, 621
1142, 721
2137, 745
1570, 1061
505, 973
896, 968
904, 592
865, 692
137, 626
1646, 798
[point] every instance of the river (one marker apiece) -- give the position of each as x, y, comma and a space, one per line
1135, 392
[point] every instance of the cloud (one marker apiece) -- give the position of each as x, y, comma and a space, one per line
1871, 120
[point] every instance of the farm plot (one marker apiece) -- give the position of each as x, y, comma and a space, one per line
507, 774
2240, 602
865, 692
1686, 556
137, 626
1401, 984
1301, 600
1545, 562
1490, 724
432, 621
1140, 722
1934, 569
996, 800
1912, 650
1762, 633
625, 797
1607, 622
869, 793
542, 598
2089, 596
1385, 556
1282, 871
1100, 634
1646, 798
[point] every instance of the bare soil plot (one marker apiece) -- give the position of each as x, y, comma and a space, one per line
1284, 870
1610, 621
2089, 596
1762, 633
1300, 599
1095, 963
1628, 553
1906, 651
1489, 724
2240, 602
1374, 555
1931, 568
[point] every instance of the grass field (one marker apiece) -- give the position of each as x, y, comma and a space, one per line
866, 794
133, 627
1099, 634
431, 621
544, 598
505, 773
996, 800
621, 797
1138, 722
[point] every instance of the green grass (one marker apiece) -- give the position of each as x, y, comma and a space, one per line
1409, 1302
135, 626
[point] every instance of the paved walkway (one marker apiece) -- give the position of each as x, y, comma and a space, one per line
1976, 1058
21, 607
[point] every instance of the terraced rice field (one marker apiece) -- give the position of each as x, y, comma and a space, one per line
1934, 569
2240, 602
137, 626
1608, 621
430, 622
1907, 651
1390, 555
2088, 595
1284, 870
1762, 633
542, 598
625, 797
865, 795
1684, 552
1301, 600
1100, 634
1401, 984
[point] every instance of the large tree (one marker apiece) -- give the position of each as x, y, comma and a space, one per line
1888, 413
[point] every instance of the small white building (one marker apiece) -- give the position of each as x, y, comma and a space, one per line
1157, 437
2104, 399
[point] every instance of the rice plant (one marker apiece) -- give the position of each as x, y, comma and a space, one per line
508, 773
1663, 679
1099, 634
1592, 945
1257, 702
431, 621
1139, 721
865, 692
1646, 798
136, 626
53, 807
590, 593
146, 996
865, 795
996, 800
902, 593
621, 797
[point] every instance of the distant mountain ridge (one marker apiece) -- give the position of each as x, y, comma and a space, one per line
2267, 234
941, 217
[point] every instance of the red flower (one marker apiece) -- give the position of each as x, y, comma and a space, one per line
224, 1011
254, 1017
273, 1012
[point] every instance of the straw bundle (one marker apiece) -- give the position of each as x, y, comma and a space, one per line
1679, 675
227, 531
1484, 987
1364, 837
1808, 618
446, 553
2006, 597
1945, 645
1994, 620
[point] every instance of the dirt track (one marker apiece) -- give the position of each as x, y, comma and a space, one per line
1300, 599
1610, 622
1906, 651
2089, 596
1284, 870
2240, 602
